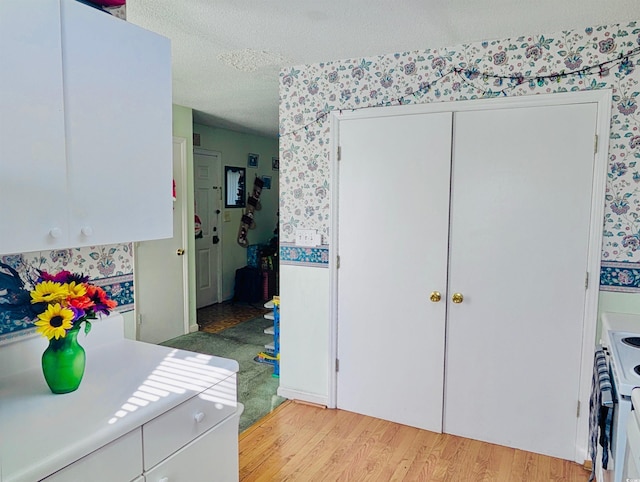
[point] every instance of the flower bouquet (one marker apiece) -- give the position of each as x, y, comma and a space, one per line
65, 301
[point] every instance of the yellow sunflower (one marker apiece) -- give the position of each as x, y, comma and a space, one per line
76, 290
48, 291
55, 321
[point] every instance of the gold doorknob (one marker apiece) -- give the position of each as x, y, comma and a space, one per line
435, 296
457, 298
180, 252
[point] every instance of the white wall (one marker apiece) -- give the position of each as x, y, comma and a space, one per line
304, 334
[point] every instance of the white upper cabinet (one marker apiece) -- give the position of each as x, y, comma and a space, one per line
86, 152
33, 180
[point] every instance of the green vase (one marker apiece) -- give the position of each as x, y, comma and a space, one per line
63, 363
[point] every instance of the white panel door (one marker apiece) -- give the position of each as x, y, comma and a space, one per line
520, 209
393, 225
207, 192
161, 271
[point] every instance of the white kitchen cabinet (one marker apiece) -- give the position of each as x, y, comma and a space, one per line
86, 159
474, 228
101, 466
141, 410
211, 457
33, 181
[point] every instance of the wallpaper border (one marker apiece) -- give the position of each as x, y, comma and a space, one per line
315, 257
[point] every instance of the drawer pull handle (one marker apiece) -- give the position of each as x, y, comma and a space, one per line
199, 417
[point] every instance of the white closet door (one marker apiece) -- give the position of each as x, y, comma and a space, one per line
393, 225
520, 209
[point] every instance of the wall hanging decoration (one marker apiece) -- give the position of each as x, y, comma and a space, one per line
252, 160
234, 186
64, 302
247, 221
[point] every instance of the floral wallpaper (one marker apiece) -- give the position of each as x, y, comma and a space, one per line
598, 57
110, 267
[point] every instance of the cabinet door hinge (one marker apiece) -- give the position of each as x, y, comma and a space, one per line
595, 144
337, 365
578, 409
586, 281
338, 261
139, 319
339, 153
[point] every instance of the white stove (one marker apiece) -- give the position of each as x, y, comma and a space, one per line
625, 359
621, 343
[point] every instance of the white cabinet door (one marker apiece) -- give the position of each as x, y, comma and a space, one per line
211, 457
33, 182
117, 79
393, 211
520, 218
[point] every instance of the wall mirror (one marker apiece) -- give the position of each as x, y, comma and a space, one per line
234, 187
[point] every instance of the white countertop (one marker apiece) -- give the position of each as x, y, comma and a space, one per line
126, 384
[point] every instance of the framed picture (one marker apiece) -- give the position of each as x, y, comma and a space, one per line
252, 160
275, 163
267, 182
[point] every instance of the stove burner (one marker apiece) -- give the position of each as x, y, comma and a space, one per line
632, 341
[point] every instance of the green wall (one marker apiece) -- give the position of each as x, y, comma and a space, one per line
234, 148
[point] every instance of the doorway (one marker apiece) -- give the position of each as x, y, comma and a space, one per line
207, 189
161, 268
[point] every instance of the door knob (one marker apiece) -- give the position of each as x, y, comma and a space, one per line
457, 298
180, 252
435, 296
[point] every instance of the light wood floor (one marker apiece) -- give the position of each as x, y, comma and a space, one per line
304, 443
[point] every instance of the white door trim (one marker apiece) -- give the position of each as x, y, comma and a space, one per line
210, 152
182, 142
602, 98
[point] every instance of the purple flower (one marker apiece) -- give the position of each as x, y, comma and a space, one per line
287, 80
619, 206
298, 119
634, 142
357, 73
333, 76
313, 88
618, 168
386, 80
627, 106
573, 61
626, 67
625, 277
410, 68
499, 58
631, 241
471, 73
533, 52
606, 45
438, 63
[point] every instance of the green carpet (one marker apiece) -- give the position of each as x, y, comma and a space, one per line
256, 385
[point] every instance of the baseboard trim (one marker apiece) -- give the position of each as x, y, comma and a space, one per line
303, 396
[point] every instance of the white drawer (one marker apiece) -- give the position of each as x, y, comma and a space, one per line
119, 460
212, 457
174, 429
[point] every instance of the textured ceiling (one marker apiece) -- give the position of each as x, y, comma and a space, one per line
227, 53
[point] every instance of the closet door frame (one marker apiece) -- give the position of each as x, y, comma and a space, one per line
600, 97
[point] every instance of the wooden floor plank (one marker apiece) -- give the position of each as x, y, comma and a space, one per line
304, 443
